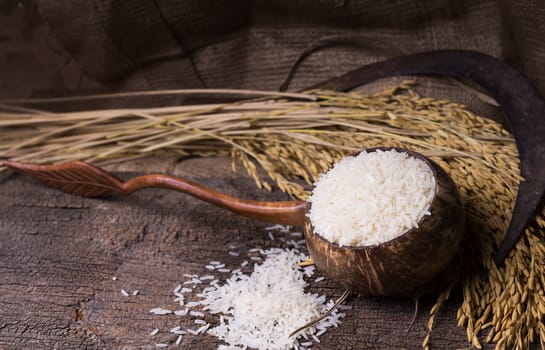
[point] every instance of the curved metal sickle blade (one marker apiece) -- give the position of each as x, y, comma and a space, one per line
520, 101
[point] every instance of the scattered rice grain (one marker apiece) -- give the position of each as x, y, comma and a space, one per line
160, 311
203, 329
321, 332
181, 312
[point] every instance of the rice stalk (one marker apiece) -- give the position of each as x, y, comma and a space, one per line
294, 141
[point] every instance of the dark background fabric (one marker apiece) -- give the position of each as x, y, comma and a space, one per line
158, 44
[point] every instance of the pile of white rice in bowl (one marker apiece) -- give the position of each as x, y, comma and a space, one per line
371, 198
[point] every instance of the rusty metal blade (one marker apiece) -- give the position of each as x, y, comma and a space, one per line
520, 101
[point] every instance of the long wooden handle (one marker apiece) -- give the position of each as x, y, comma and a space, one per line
84, 179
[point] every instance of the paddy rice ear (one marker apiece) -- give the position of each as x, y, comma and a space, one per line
295, 141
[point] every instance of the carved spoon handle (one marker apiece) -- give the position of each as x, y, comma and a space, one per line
84, 179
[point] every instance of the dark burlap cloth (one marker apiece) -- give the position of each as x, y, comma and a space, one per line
161, 44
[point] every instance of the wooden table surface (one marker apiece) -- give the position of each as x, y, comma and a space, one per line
59, 253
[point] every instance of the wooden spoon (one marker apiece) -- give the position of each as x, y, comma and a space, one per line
398, 267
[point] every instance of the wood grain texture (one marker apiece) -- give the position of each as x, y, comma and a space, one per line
58, 254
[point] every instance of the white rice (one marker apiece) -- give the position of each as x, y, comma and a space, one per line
192, 331
255, 311
262, 309
160, 311
203, 329
371, 198
179, 298
179, 340
321, 332
181, 312
278, 227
